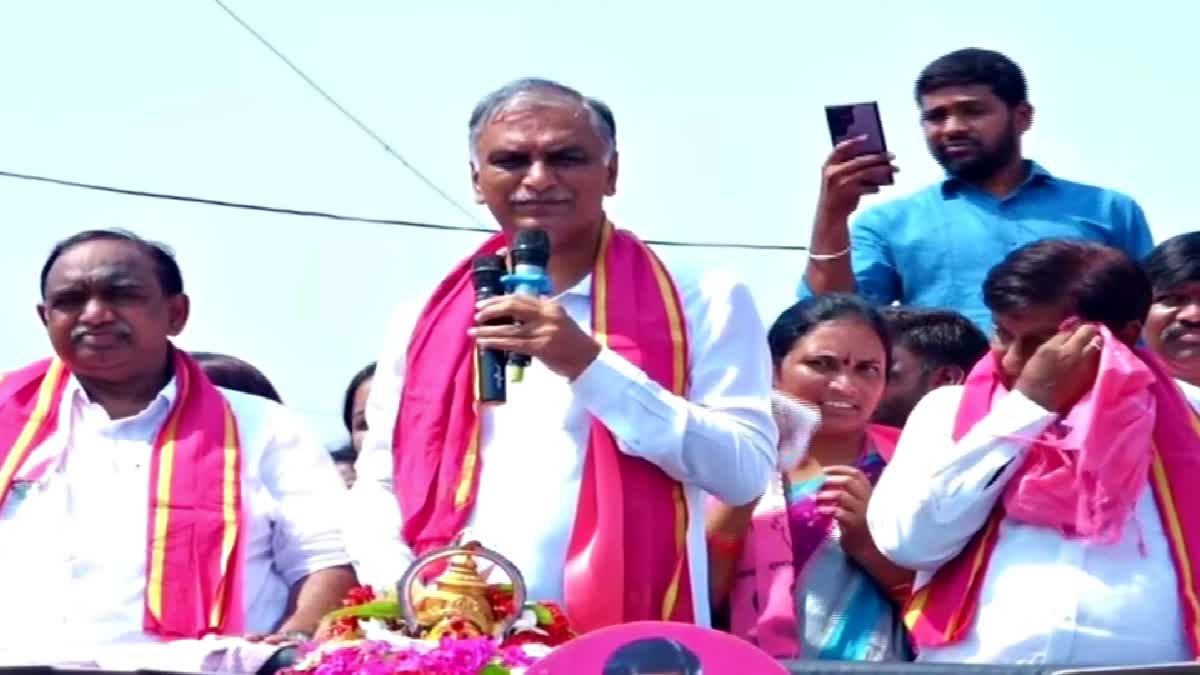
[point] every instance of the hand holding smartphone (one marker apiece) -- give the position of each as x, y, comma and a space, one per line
860, 121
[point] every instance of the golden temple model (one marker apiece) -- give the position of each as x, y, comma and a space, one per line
456, 603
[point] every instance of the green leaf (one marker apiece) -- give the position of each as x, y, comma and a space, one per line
495, 669
376, 609
544, 617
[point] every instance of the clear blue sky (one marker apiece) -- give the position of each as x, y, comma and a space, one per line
720, 126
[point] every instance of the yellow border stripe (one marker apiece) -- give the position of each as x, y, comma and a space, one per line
674, 319
162, 507
600, 287
981, 556
679, 358
671, 598
914, 611
1178, 543
915, 606
467, 480
230, 490
20, 449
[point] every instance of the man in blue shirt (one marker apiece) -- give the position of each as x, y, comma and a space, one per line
935, 247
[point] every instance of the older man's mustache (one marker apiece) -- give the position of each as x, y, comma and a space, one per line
548, 198
117, 330
1177, 330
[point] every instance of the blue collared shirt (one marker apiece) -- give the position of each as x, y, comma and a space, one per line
934, 248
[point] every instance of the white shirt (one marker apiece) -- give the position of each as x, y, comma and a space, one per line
1045, 598
720, 440
1192, 392
74, 525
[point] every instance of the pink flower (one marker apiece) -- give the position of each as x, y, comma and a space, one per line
449, 657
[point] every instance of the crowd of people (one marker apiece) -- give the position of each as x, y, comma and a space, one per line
970, 440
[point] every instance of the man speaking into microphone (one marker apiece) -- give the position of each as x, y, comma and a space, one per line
646, 387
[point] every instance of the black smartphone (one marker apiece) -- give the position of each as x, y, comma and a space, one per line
858, 119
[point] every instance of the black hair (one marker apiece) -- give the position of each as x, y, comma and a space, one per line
165, 265
367, 372
801, 318
1096, 282
975, 66
1174, 262
939, 337
233, 373
344, 455
652, 655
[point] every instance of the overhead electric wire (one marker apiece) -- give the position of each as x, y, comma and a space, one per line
347, 114
348, 218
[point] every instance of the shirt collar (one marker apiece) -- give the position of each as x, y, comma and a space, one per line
1036, 175
581, 289
75, 393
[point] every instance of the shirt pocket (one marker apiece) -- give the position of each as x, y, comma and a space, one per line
1029, 230
30, 511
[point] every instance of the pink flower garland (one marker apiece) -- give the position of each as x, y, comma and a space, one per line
474, 656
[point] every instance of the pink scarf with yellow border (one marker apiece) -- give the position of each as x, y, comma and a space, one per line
1086, 456
627, 557
194, 533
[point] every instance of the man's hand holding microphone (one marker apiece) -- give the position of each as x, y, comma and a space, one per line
533, 326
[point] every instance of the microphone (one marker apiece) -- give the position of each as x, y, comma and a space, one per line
529, 254
487, 273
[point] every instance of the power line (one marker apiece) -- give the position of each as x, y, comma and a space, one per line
347, 218
239, 205
346, 113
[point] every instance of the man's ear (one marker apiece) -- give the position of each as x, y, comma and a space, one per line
1130, 333
944, 375
179, 307
475, 183
613, 166
1022, 116
41, 311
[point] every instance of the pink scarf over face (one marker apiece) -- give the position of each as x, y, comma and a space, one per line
943, 611
1082, 476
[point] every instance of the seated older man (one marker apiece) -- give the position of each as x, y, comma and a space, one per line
139, 503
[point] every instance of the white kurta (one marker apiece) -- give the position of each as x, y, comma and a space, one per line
1045, 598
73, 568
720, 439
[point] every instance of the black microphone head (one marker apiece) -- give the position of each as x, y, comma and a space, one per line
486, 270
531, 248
